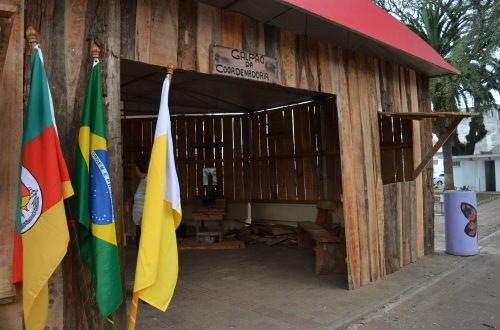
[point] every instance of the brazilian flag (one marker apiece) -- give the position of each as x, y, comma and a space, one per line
92, 204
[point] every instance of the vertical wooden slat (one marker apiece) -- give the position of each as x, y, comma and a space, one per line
208, 23
408, 166
373, 105
218, 151
405, 224
325, 67
331, 132
208, 141
182, 155
307, 63
245, 131
11, 103
256, 164
128, 14
413, 222
299, 161
272, 45
288, 164
348, 173
200, 156
250, 34
386, 94
306, 148
399, 222
265, 176
273, 131
239, 186
427, 174
143, 30
228, 158
231, 27
396, 101
313, 72
315, 143
357, 136
191, 166
261, 39
369, 166
417, 157
288, 60
164, 28
186, 38
391, 247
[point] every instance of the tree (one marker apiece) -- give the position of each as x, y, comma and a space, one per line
466, 34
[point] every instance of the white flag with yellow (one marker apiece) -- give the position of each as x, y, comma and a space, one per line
157, 264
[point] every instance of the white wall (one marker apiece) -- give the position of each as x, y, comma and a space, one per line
467, 174
471, 173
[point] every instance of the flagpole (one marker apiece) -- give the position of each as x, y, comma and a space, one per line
135, 296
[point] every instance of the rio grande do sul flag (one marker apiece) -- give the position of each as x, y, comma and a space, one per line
157, 263
92, 204
44, 184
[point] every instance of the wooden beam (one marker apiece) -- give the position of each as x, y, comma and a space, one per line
7, 10
424, 115
449, 130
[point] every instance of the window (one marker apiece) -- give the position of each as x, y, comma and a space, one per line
396, 149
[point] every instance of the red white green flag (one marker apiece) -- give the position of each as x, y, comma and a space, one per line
43, 185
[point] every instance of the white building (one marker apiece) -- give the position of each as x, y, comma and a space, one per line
481, 171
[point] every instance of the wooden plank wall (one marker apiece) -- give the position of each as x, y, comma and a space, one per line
11, 109
284, 164
385, 226
66, 30
384, 229
400, 152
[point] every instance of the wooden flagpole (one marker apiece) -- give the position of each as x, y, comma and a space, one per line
135, 296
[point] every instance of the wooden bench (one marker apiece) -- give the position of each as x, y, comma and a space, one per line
329, 247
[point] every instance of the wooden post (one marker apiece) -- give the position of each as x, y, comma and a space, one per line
11, 103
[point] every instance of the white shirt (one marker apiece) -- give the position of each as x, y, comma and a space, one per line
139, 202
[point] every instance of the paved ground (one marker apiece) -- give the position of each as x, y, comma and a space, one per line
264, 287
467, 297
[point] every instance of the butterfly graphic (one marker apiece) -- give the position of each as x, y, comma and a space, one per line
470, 213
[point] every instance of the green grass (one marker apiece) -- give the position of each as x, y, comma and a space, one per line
486, 197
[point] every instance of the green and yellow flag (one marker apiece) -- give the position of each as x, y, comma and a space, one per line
44, 184
92, 204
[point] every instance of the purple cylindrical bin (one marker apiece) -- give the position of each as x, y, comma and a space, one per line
460, 222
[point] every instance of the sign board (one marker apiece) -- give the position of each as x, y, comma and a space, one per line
241, 64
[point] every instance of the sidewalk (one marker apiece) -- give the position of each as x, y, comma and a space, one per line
276, 288
467, 298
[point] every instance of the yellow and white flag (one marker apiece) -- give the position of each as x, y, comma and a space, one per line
157, 264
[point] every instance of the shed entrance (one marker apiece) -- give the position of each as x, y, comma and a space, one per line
274, 150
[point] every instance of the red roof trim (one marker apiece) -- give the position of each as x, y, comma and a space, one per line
367, 19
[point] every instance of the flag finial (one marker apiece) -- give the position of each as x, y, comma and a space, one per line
32, 36
170, 69
95, 51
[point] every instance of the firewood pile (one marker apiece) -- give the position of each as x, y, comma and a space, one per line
264, 233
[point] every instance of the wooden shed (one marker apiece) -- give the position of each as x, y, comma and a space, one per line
291, 101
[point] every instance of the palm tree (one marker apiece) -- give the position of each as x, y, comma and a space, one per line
465, 34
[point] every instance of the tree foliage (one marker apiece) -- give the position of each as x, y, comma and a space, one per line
466, 33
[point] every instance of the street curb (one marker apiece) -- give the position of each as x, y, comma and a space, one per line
390, 303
